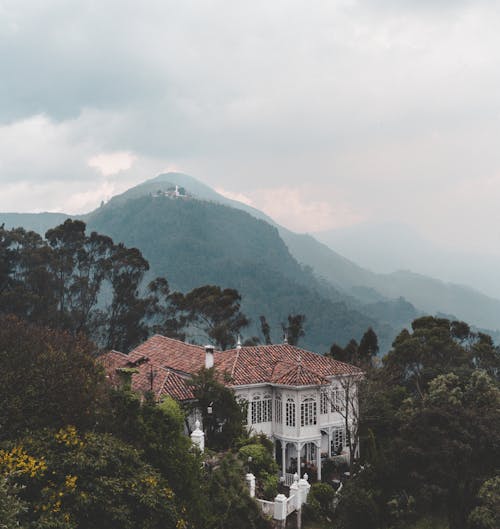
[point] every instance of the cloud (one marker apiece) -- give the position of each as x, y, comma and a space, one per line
300, 209
240, 197
387, 110
112, 162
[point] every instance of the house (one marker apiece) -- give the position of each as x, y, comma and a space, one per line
304, 402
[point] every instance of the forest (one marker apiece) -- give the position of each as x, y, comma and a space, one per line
75, 453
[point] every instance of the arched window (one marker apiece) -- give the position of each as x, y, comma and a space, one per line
267, 409
278, 409
308, 412
290, 412
256, 409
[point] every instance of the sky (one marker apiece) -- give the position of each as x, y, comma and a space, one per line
323, 114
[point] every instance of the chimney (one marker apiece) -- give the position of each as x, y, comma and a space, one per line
209, 356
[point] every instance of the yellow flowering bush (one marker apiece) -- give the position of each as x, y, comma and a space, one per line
18, 461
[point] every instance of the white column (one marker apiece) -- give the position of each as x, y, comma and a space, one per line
283, 458
318, 459
299, 446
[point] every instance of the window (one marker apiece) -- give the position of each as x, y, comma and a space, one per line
337, 442
267, 409
338, 397
290, 412
308, 412
256, 410
278, 409
323, 403
261, 409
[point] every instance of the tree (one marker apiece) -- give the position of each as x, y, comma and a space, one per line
368, 348
265, 329
487, 514
48, 378
231, 505
72, 480
361, 354
157, 430
215, 312
294, 329
450, 441
223, 417
436, 346
80, 263
127, 323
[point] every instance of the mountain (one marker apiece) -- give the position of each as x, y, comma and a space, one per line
209, 238
388, 247
194, 242
39, 222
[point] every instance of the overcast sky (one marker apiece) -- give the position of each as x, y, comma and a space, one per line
323, 114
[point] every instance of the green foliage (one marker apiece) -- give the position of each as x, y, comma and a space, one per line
195, 243
213, 311
11, 507
356, 509
322, 495
78, 282
158, 432
487, 514
223, 417
269, 485
91, 480
294, 329
48, 379
257, 456
361, 354
231, 505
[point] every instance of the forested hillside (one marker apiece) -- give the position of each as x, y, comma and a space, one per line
192, 242
208, 238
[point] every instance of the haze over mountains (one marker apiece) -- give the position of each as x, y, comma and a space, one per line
201, 240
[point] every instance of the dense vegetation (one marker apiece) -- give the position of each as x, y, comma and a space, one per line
430, 431
74, 453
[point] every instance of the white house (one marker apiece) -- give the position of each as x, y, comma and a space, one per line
301, 400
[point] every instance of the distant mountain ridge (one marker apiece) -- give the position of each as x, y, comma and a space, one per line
266, 262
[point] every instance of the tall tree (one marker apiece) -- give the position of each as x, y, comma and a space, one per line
215, 312
265, 329
294, 328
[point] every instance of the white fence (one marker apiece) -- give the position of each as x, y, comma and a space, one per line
291, 504
283, 506
289, 479
267, 507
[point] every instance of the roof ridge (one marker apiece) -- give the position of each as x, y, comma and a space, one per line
170, 339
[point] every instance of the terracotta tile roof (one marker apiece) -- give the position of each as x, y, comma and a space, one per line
149, 377
172, 362
174, 354
276, 363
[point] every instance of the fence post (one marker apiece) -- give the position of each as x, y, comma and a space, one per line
250, 479
280, 509
304, 489
198, 437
